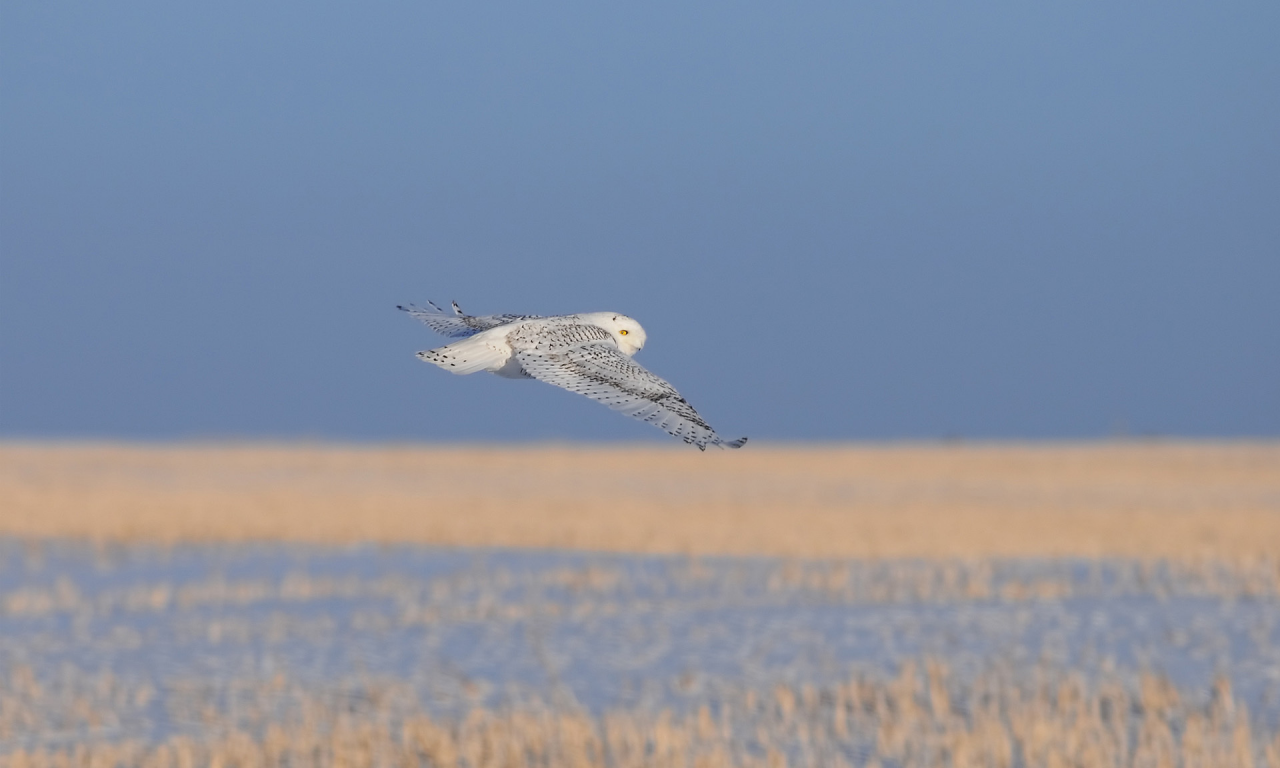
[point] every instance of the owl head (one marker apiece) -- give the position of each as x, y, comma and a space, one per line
628, 334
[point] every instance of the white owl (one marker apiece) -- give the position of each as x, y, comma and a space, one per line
589, 354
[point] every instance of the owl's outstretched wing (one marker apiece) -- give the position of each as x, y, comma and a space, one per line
458, 325
599, 370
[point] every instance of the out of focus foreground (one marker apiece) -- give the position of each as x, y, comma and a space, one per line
989, 605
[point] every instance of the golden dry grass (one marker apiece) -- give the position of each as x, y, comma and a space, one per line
984, 500
922, 717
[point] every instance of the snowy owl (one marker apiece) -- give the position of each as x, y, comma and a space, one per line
588, 353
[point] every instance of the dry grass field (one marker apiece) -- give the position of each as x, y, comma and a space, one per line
918, 718
196, 656
996, 605
1148, 500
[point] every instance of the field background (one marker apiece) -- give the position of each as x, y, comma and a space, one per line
1105, 604
1156, 499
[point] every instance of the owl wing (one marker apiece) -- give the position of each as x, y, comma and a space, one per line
459, 325
595, 367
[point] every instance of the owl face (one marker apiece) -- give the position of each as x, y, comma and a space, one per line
626, 331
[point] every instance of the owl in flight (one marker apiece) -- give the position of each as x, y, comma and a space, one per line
589, 354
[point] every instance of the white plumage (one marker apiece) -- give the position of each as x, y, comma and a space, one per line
588, 353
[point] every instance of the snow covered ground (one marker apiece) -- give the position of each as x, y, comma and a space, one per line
146, 643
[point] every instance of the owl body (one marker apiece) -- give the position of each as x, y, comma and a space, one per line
493, 350
588, 353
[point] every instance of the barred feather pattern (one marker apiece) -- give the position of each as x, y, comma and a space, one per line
584, 359
458, 325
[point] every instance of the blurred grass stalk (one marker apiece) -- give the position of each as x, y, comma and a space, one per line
923, 717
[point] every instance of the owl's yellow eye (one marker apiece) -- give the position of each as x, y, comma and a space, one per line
624, 333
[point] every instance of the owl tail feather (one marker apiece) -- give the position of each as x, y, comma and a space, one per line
467, 356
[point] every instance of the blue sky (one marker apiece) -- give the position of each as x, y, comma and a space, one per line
842, 221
